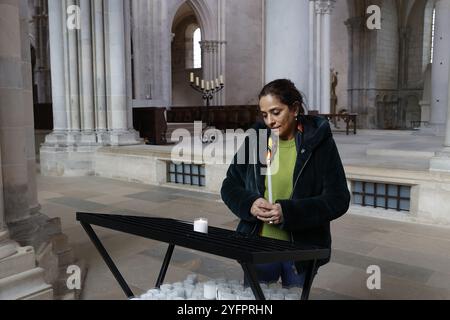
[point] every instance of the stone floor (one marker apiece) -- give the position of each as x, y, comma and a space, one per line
414, 259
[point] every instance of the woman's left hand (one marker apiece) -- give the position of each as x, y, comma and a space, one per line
274, 216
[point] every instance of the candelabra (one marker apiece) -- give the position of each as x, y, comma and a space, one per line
207, 89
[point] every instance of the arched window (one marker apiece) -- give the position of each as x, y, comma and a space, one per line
197, 48
433, 29
193, 47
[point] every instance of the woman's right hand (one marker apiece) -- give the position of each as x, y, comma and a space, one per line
260, 207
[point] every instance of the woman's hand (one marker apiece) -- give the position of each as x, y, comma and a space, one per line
260, 206
267, 212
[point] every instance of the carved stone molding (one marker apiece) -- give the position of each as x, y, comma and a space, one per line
324, 6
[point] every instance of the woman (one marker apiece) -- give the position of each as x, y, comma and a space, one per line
309, 187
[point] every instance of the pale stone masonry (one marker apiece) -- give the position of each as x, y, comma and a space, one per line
29, 267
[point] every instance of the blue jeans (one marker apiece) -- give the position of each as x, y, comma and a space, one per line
271, 272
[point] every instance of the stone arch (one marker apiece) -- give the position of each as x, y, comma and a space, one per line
204, 16
184, 23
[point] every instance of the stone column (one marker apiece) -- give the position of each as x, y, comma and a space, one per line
324, 9
87, 81
100, 75
2, 203
56, 26
19, 276
441, 162
210, 50
318, 64
117, 65
222, 47
120, 133
311, 91
441, 65
287, 53
447, 131
75, 121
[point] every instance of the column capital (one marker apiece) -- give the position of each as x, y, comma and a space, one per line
210, 46
324, 6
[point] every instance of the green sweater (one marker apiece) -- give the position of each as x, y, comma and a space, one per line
282, 184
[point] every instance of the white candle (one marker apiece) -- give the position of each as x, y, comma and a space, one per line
221, 79
217, 83
197, 81
192, 77
210, 290
269, 170
203, 84
207, 85
269, 182
212, 84
201, 225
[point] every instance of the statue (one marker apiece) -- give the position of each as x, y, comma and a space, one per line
334, 98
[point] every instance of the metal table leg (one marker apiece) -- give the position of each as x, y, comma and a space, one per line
250, 272
162, 273
309, 277
101, 249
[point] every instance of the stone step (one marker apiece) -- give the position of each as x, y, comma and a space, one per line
48, 260
22, 261
43, 295
22, 285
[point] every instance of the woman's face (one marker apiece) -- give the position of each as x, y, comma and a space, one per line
278, 117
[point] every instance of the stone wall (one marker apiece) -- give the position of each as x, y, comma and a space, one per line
244, 51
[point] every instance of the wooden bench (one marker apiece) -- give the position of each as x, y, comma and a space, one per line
348, 118
221, 117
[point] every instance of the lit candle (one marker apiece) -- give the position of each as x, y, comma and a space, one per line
192, 77
269, 170
203, 84
201, 225
197, 81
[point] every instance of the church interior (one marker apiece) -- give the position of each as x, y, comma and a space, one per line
95, 96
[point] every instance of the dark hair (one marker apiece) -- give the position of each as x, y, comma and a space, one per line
286, 91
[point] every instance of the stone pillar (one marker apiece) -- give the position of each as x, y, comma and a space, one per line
2, 203
440, 69
287, 53
441, 162
324, 9
75, 121
100, 75
19, 277
210, 50
222, 47
318, 64
87, 81
447, 129
117, 66
119, 130
56, 26
311, 91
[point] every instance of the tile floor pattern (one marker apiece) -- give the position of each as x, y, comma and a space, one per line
414, 259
